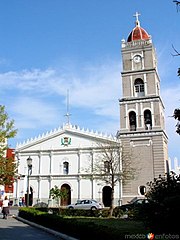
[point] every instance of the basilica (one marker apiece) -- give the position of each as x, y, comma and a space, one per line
60, 156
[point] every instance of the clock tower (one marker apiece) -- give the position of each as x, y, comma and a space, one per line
142, 122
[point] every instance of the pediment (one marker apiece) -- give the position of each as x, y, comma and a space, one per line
63, 139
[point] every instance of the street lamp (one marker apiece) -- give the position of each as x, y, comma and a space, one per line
29, 164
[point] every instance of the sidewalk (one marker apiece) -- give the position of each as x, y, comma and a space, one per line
20, 229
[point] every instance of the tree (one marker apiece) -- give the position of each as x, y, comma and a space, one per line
176, 113
7, 165
58, 194
176, 52
177, 4
110, 166
163, 207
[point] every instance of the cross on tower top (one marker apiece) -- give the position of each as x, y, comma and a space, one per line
137, 18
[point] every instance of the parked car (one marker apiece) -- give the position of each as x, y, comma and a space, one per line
86, 204
133, 204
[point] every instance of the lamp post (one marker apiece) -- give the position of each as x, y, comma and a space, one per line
29, 164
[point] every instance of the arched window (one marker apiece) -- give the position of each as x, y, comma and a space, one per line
142, 190
139, 87
106, 167
65, 168
132, 121
147, 119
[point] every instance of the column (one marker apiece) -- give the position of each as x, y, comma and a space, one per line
79, 187
39, 170
145, 84
16, 192
16, 183
137, 116
39, 189
120, 191
92, 187
131, 86
152, 114
51, 161
141, 114
92, 178
79, 178
120, 177
126, 114
50, 186
142, 54
79, 161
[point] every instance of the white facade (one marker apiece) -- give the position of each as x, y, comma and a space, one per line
61, 158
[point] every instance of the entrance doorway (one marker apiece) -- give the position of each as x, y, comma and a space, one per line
67, 200
106, 196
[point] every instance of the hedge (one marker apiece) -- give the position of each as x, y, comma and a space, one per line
81, 212
83, 227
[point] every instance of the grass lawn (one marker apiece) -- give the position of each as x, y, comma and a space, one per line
107, 228
86, 228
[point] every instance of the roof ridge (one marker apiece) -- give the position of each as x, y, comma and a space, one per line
65, 127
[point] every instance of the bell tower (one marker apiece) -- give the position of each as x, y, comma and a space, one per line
142, 123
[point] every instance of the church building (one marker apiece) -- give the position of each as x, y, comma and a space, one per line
60, 156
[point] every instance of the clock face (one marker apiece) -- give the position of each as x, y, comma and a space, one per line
137, 58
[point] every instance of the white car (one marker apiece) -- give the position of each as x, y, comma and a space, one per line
86, 204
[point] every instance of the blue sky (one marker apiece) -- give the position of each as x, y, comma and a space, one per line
49, 46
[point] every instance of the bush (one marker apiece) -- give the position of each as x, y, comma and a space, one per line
73, 226
75, 212
82, 227
79, 212
163, 207
41, 205
117, 212
29, 213
42, 218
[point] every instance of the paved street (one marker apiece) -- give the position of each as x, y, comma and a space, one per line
11, 229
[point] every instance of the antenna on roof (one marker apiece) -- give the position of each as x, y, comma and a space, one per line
67, 109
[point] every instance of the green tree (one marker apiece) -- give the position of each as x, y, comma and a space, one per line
176, 113
163, 207
176, 116
58, 194
7, 165
177, 4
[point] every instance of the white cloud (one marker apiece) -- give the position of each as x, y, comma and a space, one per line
171, 100
100, 90
26, 80
38, 99
40, 94
33, 113
96, 88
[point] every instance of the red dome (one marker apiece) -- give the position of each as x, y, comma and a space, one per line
138, 33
